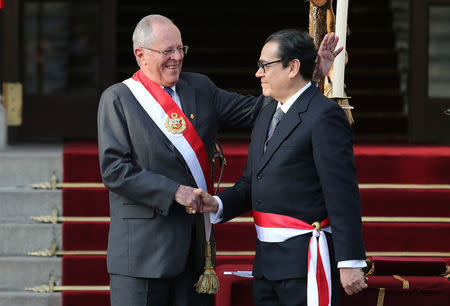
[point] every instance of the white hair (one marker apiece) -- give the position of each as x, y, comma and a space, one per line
143, 35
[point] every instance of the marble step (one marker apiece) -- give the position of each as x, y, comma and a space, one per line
23, 298
18, 273
21, 165
19, 239
17, 204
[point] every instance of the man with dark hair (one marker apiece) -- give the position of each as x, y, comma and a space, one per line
300, 181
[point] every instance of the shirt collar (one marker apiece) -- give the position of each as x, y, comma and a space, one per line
173, 88
286, 105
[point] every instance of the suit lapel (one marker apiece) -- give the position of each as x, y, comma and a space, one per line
188, 102
289, 122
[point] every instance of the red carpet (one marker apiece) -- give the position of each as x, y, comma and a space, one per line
85, 298
386, 164
405, 202
234, 291
94, 202
86, 270
91, 236
378, 237
405, 164
391, 164
91, 269
85, 202
80, 162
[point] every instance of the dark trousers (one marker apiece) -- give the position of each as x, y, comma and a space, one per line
178, 291
287, 292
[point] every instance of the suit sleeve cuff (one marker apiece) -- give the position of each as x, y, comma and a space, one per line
352, 264
218, 216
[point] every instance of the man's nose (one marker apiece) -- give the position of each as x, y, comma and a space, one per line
259, 73
177, 55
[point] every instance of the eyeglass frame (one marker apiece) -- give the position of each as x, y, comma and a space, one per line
263, 66
169, 52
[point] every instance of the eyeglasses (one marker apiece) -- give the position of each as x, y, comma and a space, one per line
168, 52
262, 66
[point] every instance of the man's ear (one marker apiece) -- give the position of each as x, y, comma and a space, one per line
294, 68
139, 54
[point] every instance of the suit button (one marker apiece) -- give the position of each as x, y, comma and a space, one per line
258, 202
260, 176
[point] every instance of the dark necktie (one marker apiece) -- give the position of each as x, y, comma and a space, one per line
169, 91
273, 124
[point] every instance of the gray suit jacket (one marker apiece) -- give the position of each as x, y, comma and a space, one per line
307, 172
150, 234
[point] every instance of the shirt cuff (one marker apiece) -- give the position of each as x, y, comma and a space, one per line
218, 216
352, 264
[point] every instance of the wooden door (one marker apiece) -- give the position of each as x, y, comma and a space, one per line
63, 52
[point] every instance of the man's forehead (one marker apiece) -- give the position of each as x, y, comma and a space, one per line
269, 51
167, 34
165, 29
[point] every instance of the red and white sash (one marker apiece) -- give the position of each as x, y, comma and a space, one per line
161, 108
279, 228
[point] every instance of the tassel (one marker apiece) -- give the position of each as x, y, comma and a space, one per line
208, 281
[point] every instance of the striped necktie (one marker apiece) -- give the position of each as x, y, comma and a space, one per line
169, 91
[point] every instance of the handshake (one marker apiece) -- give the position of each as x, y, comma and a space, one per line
196, 200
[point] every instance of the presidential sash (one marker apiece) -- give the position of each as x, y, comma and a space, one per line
171, 120
279, 228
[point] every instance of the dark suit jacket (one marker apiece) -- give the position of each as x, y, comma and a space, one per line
307, 172
150, 234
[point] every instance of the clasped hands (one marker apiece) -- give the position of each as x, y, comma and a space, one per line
195, 200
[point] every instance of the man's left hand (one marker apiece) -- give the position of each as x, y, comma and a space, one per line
326, 56
352, 280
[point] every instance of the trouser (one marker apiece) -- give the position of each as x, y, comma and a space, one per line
287, 292
178, 291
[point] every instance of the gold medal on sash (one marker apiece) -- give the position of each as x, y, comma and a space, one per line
175, 124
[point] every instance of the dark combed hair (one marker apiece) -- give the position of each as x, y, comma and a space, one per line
296, 44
